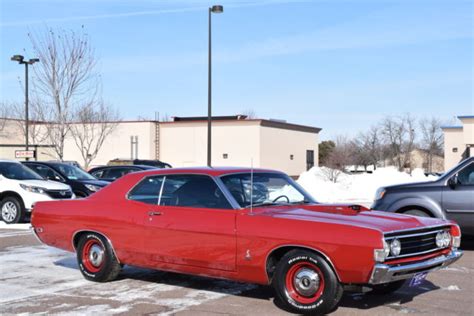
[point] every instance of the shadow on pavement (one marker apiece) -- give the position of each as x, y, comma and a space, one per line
349, 300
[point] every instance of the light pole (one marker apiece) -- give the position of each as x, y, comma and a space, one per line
21, 60
213, 9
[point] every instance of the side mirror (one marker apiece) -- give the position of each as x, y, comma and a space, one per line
453, 181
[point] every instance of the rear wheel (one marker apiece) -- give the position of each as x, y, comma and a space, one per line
387, 288
11, 210
96, 258
305, 283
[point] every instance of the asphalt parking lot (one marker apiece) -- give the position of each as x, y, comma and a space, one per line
36, 279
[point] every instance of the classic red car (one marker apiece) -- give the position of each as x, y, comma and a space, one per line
248, 225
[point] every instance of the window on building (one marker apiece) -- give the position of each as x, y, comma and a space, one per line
225, 156
455, 150
309, 159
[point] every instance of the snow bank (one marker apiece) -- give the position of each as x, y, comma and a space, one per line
355, 188
25, 226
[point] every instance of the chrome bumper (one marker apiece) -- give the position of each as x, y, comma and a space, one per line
384, 273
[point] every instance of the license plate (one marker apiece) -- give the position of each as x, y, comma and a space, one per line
418, 278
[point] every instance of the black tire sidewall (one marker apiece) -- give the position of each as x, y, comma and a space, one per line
326, 300
20, 209
103, 273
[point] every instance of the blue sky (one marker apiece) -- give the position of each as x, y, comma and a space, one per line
339, 65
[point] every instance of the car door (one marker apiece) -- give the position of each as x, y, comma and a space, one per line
191, 224
458, 198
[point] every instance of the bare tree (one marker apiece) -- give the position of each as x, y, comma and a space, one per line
431, 139
95, 122
250, 114
399, 134
3, 116
339, 158
64, 79
36, 131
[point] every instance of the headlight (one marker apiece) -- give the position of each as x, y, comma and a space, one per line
33, 189
379, 194
93, 188
443, 239
395, 247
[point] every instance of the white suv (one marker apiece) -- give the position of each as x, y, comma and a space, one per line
20, 188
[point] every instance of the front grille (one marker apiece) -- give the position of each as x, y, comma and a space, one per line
59, 194
416, 242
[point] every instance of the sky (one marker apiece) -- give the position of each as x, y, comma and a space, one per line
338, 65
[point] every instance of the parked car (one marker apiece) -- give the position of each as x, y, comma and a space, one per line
70, 162
112, 173
247, 225
449, 197
20, 188
82, 183
153, 163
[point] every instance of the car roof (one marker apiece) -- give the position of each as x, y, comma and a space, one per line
124, 166
9, 160
212, 171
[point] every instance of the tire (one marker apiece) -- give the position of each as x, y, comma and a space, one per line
388, 288
302, 296
416, 212
12, 210
96, 258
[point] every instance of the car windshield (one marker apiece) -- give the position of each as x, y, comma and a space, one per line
73, 172
265, 189
16, 171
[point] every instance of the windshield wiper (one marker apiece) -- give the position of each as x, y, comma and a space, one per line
301, 202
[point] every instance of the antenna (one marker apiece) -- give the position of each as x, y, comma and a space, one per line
251, 186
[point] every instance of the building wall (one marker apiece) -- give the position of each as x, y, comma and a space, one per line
185, 143
454, 146
278, 145
118, 145
468, 130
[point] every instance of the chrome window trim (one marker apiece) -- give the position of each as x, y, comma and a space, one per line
219, 184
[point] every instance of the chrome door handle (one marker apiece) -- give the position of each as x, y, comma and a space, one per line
153, 213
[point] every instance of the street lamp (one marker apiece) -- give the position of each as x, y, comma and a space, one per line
21, 60
213, 9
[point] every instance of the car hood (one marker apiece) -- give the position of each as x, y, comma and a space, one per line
48, 185
413, 185
351, 215
98, 183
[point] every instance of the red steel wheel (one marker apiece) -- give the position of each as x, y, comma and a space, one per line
305, 282
93, 255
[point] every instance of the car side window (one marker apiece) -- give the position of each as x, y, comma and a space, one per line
197, 191
115, 173
98, 174
466, 175
147, 191
45, 172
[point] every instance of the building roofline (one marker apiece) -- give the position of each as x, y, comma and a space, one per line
465, 117
261, 122
451, 127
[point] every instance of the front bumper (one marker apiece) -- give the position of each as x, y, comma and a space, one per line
384, 273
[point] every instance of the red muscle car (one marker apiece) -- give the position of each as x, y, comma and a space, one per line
248, 225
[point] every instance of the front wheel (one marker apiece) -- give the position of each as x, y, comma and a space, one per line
96, 258
11, 210
305, 283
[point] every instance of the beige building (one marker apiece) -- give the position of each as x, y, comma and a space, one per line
458, 141
236, 141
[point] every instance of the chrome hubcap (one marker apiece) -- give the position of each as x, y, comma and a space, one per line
306, 282
96, 255
9, 212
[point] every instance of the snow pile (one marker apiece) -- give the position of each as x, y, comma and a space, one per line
4, 225
352, 188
